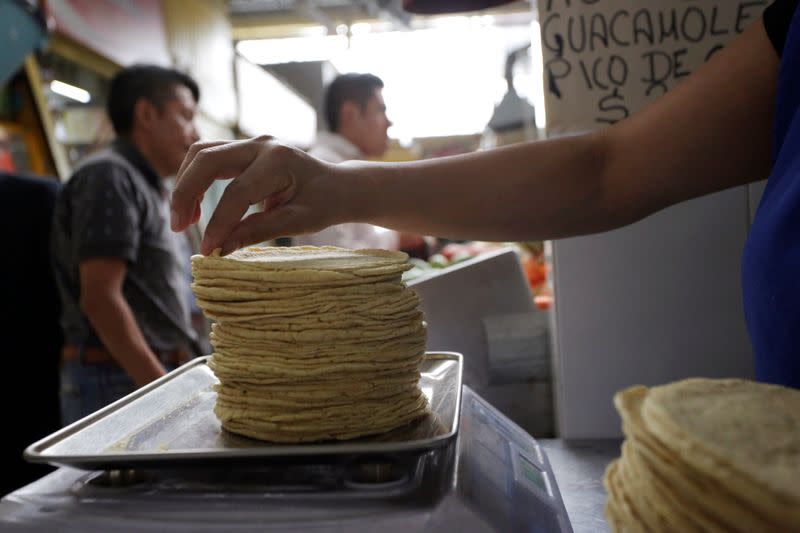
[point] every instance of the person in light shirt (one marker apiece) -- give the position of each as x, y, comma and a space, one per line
358, 126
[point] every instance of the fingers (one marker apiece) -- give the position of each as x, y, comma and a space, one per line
176, 221
205, 163
280, 198
196, 213
260, 182
233, 204
192, 152
259, 227
263, 226
250, 230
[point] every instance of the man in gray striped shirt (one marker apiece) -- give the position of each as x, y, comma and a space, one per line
118, 266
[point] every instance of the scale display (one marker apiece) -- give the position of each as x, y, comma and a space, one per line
505, 471
525, 470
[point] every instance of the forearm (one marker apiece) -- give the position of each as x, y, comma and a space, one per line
523, 192
112, 319
709, 133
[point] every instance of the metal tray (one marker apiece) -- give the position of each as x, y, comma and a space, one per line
171, 422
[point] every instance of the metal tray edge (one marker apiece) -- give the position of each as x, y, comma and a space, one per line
34, 453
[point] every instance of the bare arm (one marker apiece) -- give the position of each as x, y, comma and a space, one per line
104, 304
709, 133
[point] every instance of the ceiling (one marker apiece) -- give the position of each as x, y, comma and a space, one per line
254, 19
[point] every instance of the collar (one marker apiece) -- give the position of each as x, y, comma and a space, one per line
338, 144
126, 149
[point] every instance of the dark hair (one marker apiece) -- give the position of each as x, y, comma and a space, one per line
153, 83
358, 88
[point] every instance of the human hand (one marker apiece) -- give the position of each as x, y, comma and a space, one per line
299, 193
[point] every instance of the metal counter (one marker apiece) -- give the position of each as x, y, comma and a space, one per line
578, 467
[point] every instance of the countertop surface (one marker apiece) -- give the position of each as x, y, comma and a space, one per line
578, 467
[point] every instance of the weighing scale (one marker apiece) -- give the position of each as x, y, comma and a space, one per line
479, 472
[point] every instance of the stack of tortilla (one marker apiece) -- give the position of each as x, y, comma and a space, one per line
312, 343
707, 455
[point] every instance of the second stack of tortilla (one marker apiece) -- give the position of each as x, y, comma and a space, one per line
707, 455
312, 343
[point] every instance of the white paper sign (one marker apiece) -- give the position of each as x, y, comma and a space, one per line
604, 59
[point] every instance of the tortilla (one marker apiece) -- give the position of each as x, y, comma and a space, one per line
312, 343
707, 455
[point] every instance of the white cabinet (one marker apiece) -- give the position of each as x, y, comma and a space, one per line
653, 302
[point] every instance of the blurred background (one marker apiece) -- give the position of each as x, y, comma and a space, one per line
263, 65
453, 83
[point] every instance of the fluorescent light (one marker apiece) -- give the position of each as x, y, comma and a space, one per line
70, 91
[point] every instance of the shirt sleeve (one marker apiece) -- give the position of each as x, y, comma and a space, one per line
777, 18
105, 216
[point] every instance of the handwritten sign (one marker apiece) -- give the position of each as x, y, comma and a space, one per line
604, 59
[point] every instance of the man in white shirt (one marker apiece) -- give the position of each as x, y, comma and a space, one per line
356, 117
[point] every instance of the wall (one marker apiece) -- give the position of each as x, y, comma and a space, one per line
200, 43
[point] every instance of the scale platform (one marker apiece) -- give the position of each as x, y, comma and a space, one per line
489, 475
171, 422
